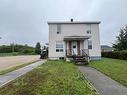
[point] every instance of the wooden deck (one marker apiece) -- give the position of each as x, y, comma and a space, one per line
81, 59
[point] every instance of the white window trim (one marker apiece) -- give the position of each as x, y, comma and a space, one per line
90, 44
58, 28
88, 31
61, 42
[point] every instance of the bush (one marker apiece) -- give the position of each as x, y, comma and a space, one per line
15, 53
115, 54
28, 51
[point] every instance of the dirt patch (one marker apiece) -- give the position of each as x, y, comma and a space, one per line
12, 61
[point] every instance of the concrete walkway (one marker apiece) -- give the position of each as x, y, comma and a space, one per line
4, 79
104, 84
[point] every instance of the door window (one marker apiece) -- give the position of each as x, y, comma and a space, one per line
74, 47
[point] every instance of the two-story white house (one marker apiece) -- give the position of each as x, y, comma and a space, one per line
74, 38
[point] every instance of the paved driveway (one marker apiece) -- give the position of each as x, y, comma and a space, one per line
104, 84
12, 61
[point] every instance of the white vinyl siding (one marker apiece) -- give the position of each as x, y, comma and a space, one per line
72, 30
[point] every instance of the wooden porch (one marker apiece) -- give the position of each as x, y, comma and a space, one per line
81, 58
75, 49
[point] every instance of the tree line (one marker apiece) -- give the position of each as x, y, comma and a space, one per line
21, 49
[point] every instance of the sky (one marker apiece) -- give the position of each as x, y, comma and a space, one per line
25, 21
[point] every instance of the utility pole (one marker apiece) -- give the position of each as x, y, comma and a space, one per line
13, 48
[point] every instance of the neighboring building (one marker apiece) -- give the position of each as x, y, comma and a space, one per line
74, 38
106, 48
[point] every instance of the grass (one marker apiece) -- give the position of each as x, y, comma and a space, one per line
51, 78
6, 54
14, 54
114, 68
14, 68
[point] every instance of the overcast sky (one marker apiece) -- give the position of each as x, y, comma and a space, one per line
25, 21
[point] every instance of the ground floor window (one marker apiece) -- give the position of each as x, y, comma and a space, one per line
59, 47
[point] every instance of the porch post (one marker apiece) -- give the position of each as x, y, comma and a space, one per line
69, 47
78, 47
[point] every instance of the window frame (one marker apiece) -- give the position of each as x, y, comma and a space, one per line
59, 46
90, 46
58, 28
88, 31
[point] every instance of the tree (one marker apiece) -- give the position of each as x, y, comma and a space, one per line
17, 48
38, 48
121, 42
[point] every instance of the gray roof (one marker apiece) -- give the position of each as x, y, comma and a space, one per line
106, 47
74, 22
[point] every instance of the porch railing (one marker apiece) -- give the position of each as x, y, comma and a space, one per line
85, 54
82, 52
69, 52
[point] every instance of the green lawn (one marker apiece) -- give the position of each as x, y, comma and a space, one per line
6, 54
114, 68
51, 78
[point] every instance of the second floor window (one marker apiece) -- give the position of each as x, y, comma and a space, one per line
88, 31
58, 28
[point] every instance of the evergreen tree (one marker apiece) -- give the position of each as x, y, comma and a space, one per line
38, 48
121, 42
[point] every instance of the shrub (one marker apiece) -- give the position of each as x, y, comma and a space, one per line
115, 54
27, 51
15, 53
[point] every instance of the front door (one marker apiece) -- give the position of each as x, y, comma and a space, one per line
74, 48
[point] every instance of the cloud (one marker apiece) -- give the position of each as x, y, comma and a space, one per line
25, 21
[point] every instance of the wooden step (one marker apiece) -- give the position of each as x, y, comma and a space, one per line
81, 63
77, 56
82, 58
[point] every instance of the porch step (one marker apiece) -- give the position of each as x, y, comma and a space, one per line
71, 56
80, 60
81, 63
82, 57
79, 57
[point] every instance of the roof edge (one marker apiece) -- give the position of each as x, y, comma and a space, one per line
75, 22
